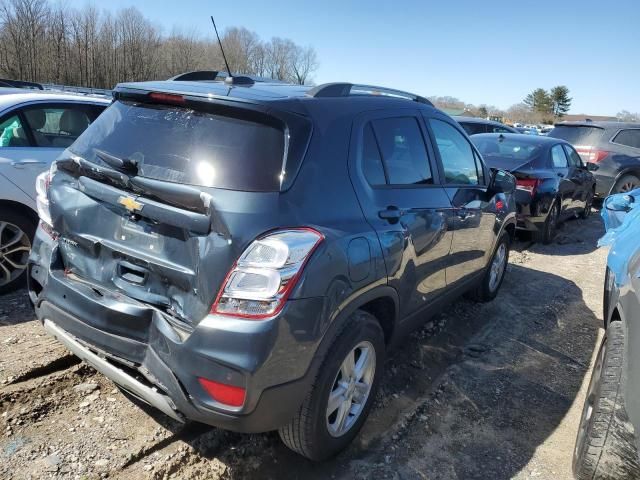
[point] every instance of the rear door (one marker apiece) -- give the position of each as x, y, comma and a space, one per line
568, 185
579, 176
465, 181
473, 128
398, 188
33, 135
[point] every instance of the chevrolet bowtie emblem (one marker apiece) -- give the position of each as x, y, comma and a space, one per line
130, 204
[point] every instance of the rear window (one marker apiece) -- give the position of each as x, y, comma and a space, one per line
509, 148
190, 147
578, 135
473, 128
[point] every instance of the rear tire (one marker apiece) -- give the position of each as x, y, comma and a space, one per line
605, 445
16, 237
496, 270
626, 183
550, 227
314, 431
586, 212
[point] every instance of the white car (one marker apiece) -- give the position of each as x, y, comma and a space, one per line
35, 127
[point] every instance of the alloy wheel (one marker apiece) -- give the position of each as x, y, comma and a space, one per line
14, 252
627, 187
498, 267
588, 205
351, 389
590, 402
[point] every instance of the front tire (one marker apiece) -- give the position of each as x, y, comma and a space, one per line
342, 395
605, 445
16, 236
588, 203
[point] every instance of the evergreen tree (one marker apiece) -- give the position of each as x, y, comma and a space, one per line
539, 101
560, 100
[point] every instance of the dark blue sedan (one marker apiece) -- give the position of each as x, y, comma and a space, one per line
553, 183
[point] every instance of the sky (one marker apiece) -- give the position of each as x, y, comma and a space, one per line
482, 51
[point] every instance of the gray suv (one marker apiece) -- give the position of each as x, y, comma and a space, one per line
243, 254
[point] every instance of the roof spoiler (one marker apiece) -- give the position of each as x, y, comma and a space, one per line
221, 76
351, 89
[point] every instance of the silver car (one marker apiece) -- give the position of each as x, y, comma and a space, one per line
35, 127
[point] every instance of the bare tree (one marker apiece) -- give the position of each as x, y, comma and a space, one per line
304, 61
46, 41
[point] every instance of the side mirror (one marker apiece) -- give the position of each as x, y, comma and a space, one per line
591, 167
502, 182
619, 203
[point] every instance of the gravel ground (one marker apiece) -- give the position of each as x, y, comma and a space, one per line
490, 391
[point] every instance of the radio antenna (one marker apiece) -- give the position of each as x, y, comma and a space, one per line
224, 57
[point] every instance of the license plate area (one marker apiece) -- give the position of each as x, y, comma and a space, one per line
139, 234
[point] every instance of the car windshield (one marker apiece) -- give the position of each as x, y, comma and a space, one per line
578, 135
504, 147
187, 146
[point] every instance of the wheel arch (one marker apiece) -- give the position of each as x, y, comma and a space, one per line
20, 207
631, 170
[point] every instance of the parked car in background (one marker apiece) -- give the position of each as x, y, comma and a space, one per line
553, 182
473, 126
35, 127
526, 131
609, 432
224, 285
614, 149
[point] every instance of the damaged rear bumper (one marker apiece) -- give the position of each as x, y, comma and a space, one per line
143, 352
149, 394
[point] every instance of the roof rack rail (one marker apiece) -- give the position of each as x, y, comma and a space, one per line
20, 84
349, 89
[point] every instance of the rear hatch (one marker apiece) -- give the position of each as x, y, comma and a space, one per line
585, 138
157, 199
524, 159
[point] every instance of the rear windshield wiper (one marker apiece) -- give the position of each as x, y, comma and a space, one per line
79, 165
124, 164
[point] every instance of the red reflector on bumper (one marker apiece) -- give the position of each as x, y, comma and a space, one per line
226, 394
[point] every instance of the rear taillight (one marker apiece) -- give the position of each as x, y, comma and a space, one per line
43, 181
260, 282
591, 154
528, 184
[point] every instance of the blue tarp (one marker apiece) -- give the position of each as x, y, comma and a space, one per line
621, 214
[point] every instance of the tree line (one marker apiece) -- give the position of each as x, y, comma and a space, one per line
49, 42
540, 106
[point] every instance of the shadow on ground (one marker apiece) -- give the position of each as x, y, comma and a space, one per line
15, 308
473, 401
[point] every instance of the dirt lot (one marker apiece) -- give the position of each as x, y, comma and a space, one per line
488, 391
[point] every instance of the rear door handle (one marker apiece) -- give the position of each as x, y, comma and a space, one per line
392, 214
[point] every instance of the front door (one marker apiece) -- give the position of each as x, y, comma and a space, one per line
465, 182
398, 187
